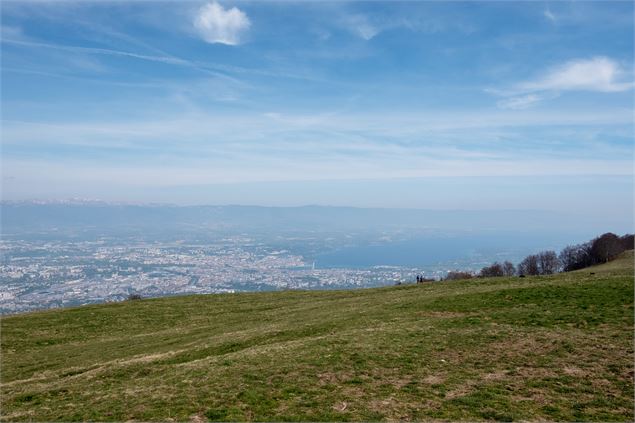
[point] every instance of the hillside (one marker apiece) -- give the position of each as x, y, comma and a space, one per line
554, 348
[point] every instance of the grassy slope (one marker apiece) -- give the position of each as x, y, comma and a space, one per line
557, 348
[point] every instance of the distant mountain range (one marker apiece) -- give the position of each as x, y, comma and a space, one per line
78, 214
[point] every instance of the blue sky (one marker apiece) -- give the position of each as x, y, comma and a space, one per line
396, 104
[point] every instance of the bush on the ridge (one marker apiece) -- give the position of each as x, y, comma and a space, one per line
457, 275
493, 271
497, 270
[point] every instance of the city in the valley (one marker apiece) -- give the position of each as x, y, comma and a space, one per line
45, 274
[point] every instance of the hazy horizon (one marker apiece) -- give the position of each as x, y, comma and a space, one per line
613, 194
78, 252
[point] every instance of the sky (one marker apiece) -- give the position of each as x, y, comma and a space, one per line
422, 104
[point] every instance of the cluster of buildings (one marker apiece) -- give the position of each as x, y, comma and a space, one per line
48, 274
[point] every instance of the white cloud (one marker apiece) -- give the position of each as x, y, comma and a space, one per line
360, 26
216, 24
549, 15
596, 74
519, 103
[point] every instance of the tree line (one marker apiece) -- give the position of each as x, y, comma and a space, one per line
599, 250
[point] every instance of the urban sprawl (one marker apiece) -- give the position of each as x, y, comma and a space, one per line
48, 274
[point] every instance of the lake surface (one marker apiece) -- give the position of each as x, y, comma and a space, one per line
433, 250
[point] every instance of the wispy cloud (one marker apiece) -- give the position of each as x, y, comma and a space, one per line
369, 24
180, 148
361, 26
219, 70
93, 50
549, 15
597, 74
216, 24
519, 103
10, 31
170, 60
600, 74
305, 139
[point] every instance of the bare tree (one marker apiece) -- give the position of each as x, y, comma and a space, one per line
606, 247
548, 262
600, 250
495, 270
568, 257
529, 266
574, 257
508, 269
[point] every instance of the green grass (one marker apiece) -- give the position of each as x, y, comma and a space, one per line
537, 348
